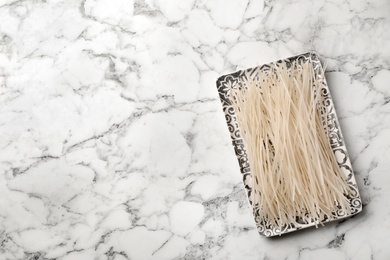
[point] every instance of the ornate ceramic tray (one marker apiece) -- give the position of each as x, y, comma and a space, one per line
236, 80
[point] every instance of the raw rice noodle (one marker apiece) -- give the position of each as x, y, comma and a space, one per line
295, 174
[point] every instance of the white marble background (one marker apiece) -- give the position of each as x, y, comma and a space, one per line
113, 144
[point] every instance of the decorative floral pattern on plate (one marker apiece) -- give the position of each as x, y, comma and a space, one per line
235, 80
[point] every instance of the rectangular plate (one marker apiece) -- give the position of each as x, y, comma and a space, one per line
236, 80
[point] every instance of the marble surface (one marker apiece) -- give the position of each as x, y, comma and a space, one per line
113, 144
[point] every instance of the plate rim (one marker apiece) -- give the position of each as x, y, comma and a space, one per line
237, 141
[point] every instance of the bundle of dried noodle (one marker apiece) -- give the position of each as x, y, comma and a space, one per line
295, 174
